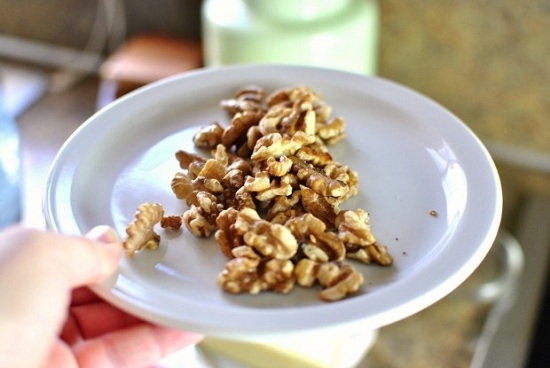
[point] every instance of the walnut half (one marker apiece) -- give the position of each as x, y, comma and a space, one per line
268, 239
338, 279
252, 274
140, 232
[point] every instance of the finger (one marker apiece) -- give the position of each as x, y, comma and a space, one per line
61, 355
92, 320
44, 267
37, 271
80, 297
138, 346
83, 295
70, 261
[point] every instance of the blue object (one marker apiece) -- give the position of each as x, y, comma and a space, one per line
10, 169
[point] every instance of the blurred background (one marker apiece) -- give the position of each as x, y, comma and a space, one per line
486, 61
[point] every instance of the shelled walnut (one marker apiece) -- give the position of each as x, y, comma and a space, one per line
354, 230
338, 279
140, 232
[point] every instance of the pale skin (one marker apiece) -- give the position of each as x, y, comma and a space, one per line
48, 316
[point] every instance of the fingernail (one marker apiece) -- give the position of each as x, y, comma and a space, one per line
103, 234
112, 249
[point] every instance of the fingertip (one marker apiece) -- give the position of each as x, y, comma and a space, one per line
111, 248
103, 233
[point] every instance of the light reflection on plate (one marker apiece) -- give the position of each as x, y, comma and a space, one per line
412, 155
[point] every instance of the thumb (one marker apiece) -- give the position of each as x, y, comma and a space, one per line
109, 249
47, 264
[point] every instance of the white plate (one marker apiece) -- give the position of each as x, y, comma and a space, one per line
412, 155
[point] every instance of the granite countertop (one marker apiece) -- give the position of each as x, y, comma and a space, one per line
484, 60
442, 335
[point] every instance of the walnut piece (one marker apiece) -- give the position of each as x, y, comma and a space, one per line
344, 175
201, 216
171, 222
275, 145
268, 239
240, 275
284, 208
338, 279
324, 247
278, 167
258, 182
197, 224
236, 132
305, 225
183, 186
348, 281
314, 155
247, 98
244, 251
354, 230
319, 181
209, 136
226, 235
305, 272
270, 122
319, 206
331, 131
278, 275
277, 187
140, 232
252, 275
186, 159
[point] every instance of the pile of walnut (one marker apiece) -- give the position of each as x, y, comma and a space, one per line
270, 192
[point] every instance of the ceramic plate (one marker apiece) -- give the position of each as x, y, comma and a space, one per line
412, 155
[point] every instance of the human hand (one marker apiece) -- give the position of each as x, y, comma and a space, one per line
49, 319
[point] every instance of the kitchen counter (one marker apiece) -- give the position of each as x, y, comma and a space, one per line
443, 335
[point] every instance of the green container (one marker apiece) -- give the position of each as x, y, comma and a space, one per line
338, 34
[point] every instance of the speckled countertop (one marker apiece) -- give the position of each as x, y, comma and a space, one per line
443, 335
484, 60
